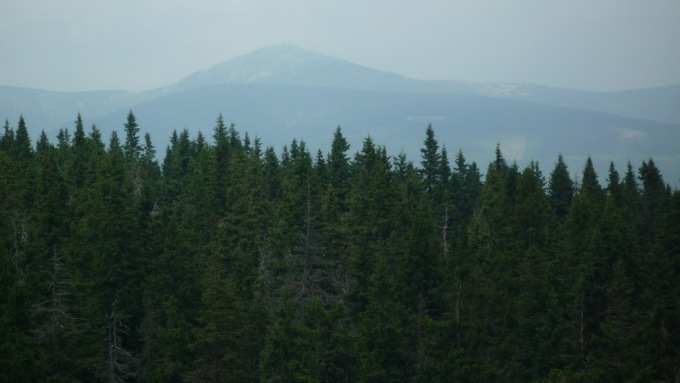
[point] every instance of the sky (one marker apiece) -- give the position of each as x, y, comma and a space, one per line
599, 45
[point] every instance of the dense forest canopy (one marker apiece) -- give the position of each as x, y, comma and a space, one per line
230, 262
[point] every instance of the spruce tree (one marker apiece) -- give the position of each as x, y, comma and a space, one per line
7, 140
338, 165
132, 147
96, 141
21, 146
78, 160
430, 160
560, 188
654, 197
43, 143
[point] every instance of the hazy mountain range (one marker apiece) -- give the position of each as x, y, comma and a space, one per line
284, 92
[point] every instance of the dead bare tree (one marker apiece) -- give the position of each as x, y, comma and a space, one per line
311, 272
56, 308
56, 329
20, 237
120, 363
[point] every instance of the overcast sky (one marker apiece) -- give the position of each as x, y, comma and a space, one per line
72, 45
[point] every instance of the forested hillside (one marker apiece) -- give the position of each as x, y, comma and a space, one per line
230, 262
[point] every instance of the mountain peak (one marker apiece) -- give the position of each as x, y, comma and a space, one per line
280, 64
283, 53
287, 64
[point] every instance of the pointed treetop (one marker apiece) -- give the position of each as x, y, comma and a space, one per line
444, 166
590, 186
630, 180
132, 147
430, 151
79, 135
461, 166
220, 131
430, 160
200, 142
114, 142
651, 176
96, 137
149, 149
7, 137
499, 163
339, 148
22, 142
613, 181
338, 162
560, 188
43, 143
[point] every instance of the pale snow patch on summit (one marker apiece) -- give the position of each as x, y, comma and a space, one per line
630, 134
507, 89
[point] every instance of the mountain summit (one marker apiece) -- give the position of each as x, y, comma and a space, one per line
290, 65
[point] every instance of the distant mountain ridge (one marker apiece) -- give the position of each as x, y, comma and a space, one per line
658, 103
290, 65
284, 92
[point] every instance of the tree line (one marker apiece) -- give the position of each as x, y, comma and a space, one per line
228, 262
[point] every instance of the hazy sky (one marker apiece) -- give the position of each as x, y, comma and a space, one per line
141, 44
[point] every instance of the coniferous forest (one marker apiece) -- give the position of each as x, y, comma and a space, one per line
229, 262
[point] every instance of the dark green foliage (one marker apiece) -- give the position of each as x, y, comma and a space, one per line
7, 140
132, 147
560, 188
43, 143
21, 145
431, 160
16, 350
338, 166
232, 263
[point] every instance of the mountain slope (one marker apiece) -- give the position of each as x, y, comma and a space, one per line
49, 110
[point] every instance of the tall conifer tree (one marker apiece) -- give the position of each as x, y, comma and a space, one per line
132, 148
